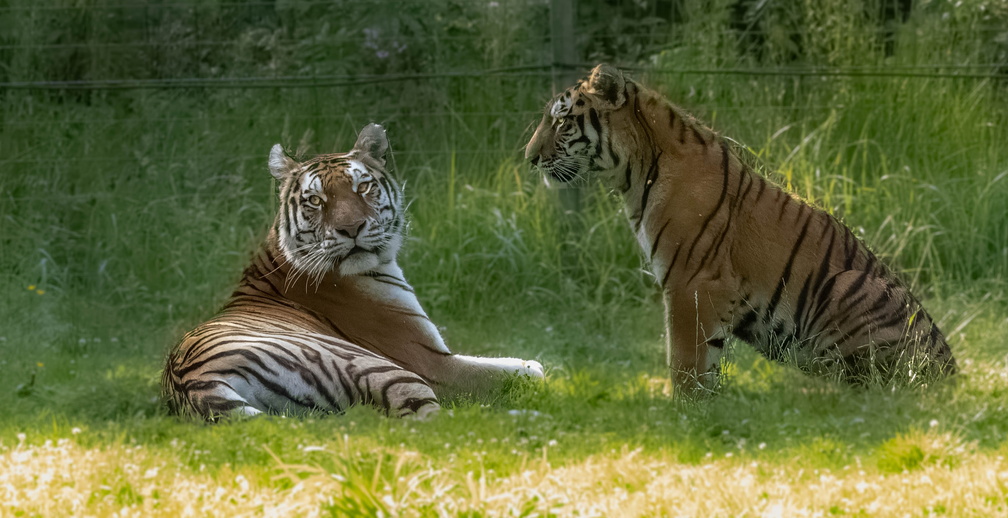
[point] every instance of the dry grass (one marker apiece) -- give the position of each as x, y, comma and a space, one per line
632, 484
62, 478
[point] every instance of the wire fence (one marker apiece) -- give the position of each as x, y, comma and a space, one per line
952, 71
113, 53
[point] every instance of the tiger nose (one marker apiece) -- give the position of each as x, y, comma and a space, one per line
532, 150
350, 229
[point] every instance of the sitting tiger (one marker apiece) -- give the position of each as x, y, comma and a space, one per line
733, 253
323, 318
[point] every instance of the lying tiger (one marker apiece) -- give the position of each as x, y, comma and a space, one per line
733, 253
323, 318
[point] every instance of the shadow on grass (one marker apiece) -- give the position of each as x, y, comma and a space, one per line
770, 410
764, 411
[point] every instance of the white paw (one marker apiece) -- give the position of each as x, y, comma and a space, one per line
532, 369
425, 412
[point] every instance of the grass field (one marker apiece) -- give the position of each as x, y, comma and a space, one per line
127, 216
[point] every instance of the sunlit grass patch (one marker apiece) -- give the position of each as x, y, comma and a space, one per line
61, 478
635, 484
916, 450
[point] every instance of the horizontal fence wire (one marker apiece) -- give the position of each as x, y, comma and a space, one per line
161, 5
539, 71
93, 121
189, 45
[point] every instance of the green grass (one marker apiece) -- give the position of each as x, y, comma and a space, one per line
128, 215
104, 420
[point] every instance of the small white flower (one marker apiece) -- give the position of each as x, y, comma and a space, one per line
242, 483
75, 430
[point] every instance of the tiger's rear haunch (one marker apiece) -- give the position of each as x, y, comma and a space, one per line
735, 254
323, 318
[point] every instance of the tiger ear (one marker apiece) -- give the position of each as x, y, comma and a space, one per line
608, 83
280, 165
373, 142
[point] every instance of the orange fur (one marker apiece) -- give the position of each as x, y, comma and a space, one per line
734, 254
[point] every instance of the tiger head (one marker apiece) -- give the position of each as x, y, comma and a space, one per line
338, 212
574, 137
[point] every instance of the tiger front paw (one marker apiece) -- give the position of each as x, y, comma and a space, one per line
532, 369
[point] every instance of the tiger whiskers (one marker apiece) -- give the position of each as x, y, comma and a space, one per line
570, 171
281, 261
320, 261
322, 265
295, 268
310, 265
292, 276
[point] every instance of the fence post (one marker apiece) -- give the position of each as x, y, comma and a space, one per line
565, 53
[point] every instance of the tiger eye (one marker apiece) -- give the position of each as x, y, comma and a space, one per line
314, 199
365, 187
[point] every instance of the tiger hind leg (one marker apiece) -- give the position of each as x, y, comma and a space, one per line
886, 336
292, 374
391, 388
211, 400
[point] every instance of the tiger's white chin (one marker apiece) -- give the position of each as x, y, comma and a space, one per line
358, 263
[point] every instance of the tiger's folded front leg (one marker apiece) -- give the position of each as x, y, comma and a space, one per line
480, 377
695, 334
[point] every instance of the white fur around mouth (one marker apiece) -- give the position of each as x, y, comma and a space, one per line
357, 262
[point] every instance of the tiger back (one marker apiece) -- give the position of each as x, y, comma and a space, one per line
323, 317
734, 254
